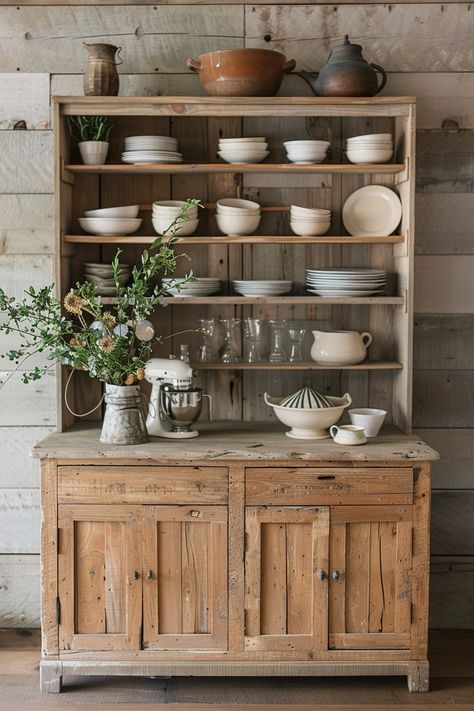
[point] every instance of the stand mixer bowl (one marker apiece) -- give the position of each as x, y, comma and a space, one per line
180, 408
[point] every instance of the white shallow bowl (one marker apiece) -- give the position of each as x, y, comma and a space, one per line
237, 213
243, 156
235, 225
309, 211
372, 137
308, 144
124, 211
244, 139
304, 159
243, 146
308, 228
309, 423
173, 204
225, 204
369, 155
113, 226
314, 218
162, 225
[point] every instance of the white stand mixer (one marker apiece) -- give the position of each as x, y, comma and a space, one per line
174, 403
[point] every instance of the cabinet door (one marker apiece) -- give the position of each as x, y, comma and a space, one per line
185, 571
370, 560
99, 568
286, 586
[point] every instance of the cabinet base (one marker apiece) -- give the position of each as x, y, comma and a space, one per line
51, 672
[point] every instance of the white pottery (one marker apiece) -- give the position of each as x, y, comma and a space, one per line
369, 418
309, 423
93, 152
348, 435
124, 422
340, 347
236, 225
130, 211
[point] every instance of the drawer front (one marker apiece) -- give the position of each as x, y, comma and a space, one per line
326, 486
142, 485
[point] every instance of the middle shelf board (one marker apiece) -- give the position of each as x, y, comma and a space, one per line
250, 239
125, 169
303, 365
277, 300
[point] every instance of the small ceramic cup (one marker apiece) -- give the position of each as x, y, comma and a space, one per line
368, 418
348, 434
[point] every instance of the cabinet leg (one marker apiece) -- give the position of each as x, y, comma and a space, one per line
50, 677
418, 676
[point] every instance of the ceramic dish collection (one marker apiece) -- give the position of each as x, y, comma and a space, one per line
151, 149
237, 217
374, 148
309, 220
306, 152
102, 276
345, 282
373, 210
243, 150
201, 286
165, 213
262, 287
111, 221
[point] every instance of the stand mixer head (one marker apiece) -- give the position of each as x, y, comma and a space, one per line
174, 403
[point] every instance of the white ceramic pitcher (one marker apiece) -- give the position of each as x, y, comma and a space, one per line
340, 347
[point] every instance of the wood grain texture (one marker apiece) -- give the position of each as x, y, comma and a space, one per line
452, 523
18, 469
444, 223
19, 591
33, 404
452, 592
49, 559
27, 224
443, 284
308, 33
24, 97
443, 398
19, 522
443, 342
26, 165
444, 161
455, 468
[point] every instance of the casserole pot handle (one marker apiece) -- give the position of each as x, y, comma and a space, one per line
266, 397
347, 397
289, 65
194, 65
381, 71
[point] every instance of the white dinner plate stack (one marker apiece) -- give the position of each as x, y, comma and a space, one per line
151, 149
262, 287
342, 282
201, 286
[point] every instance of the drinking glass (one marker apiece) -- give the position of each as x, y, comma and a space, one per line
207, 349
230, 352
277, 351
253, 329
296, 341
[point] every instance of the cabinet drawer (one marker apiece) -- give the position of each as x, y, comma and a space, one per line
142, 485
321, 486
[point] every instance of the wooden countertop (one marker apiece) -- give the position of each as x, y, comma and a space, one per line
232, 441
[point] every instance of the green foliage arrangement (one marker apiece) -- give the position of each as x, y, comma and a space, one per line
112, 346
90, 128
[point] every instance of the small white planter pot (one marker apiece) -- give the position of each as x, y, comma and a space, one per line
93, 152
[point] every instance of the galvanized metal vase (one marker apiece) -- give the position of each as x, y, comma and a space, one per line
124, 422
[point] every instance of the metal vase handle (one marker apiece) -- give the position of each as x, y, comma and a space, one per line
381, 71
119, 49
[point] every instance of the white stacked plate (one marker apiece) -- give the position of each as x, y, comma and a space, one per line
372, 148
243, 150
201, 286
151, 149
102, 276
262, 287
345, 282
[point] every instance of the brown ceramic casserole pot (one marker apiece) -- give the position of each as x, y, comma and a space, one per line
241, 72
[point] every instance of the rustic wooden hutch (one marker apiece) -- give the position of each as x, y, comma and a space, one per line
243, 553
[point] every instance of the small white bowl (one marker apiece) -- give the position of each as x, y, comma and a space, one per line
305, 158
224, 204
243, 156
369, 418
372, 137
307, 144
369, 155
112, 226
234, 225
124, 211
307, 228
243, 146
162, 225
238, 213
244, 139
309, 211
314, 218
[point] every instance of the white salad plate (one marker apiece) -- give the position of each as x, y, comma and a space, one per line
372, 210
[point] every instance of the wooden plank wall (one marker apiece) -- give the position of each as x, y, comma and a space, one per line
427, 50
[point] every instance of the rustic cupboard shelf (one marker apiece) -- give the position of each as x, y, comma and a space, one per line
311, 365
207, 168
250, 239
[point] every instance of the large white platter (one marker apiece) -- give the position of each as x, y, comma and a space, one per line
372, 210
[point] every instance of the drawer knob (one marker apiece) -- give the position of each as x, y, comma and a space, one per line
321, 575
196, 514
136, 575
336, 575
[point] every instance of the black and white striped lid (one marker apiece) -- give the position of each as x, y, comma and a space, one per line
306, 398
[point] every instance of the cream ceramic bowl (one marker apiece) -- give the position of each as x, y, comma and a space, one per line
309, 228
308, 423
238, 226
124, 211
232, 146
162, 225
243, 155
369, 155
308, 211
225, 204
244, 139
113, 226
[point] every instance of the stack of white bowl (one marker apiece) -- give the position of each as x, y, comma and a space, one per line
373, 148
306, 152
201, 286
165, 212
262, 287
243, 150
151, 149
111, 221
309, 221
237, 217
102, 276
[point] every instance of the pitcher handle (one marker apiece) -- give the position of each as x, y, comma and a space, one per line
333, 427
366, 338
194, 65
288, 66
381, 71
119, 49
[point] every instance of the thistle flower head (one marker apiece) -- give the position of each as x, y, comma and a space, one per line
73, 303
106, 344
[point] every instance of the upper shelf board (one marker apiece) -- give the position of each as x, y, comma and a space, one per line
200, 168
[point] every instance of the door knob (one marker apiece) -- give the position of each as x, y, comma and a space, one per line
321, 574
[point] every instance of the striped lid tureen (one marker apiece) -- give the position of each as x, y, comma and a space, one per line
307, 399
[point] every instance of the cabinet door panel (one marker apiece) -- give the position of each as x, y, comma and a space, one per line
100, 593
185, 569
286, 602
370, 581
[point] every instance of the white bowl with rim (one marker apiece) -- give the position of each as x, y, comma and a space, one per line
309, 423
308, 211
162, 226
244, 139
226, 204
243, 156
369, 155
112, 226
306, 228
238, 226
130, 211
243, 146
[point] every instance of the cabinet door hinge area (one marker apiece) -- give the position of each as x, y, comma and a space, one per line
58, 611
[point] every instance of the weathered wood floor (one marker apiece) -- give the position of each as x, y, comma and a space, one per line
452, 683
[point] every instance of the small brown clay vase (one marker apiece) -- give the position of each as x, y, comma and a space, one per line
100, 74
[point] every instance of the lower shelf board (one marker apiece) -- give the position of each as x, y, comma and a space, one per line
303, 365
282, 300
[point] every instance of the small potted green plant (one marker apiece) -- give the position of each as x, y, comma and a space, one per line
92, 136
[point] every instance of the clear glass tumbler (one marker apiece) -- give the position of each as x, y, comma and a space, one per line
207, 349
230, 352
277, 350
253, 330
296, 341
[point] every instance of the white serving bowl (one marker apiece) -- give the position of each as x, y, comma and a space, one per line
239, 213
113, 226
304, 158
172, 204
162, 225
124, 211
243, 156
309, 423
243, 146
308, 228
244, 139
307, 144
225, 204
372, 137
160, 214
308, 211
314, 218
369, 155
235, 225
